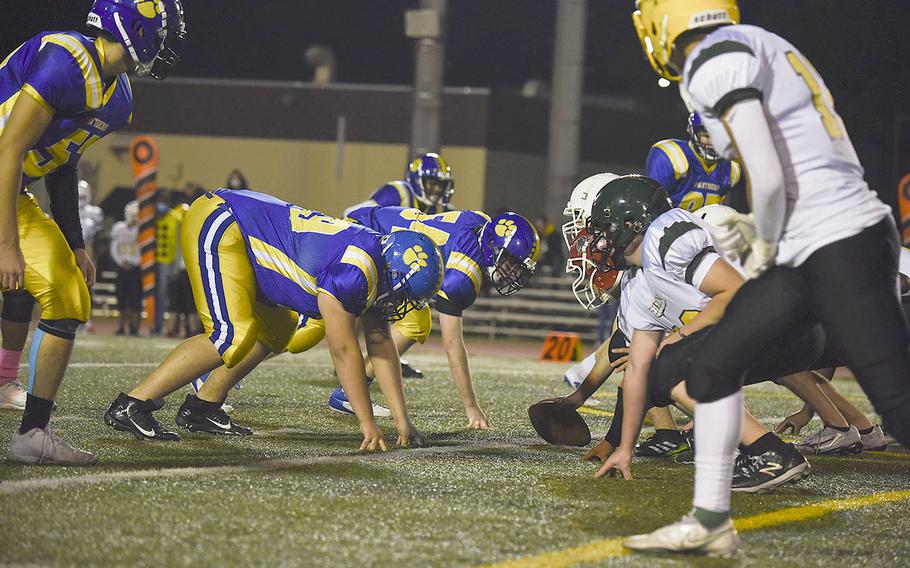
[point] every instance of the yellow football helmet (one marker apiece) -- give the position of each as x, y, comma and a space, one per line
659, 23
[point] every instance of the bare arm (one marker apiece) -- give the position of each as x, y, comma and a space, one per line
27, 122
642, 351
387, 369
457, 354
348, 360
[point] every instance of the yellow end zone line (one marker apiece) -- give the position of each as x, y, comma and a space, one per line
613, 548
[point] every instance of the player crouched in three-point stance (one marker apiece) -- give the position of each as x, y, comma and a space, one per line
60, 93
505, 248
764, 104
256, 264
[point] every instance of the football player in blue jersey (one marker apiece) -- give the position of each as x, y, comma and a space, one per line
692, 172
428, 186
60, 92
257, 265
505, 248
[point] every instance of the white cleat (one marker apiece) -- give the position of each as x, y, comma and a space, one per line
875, 441
44, 447
831, 441
12, 396
688, 535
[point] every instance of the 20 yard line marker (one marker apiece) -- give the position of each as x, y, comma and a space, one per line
613, 548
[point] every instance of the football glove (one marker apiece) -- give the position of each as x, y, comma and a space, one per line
761, 257
734, 235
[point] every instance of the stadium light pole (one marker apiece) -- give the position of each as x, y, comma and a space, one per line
427, 25
565, 104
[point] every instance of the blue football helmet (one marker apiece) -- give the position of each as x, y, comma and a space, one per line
151, 31
700, 138
431, 179
510, 247
414, 267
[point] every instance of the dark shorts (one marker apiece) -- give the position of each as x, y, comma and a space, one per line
129, 289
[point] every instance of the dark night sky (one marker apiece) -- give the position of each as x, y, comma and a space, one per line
859, 46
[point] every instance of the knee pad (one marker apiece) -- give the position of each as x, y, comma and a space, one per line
18, 306
62, 328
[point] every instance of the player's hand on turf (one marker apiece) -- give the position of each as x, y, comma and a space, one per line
86, 266
408, 436
12, 267
372, 437
794, 423
600, 452
477, 420
620, 461
620, 364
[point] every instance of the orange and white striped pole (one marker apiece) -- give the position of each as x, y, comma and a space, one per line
144, 156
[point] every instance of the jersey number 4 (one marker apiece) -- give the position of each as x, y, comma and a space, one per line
308, 221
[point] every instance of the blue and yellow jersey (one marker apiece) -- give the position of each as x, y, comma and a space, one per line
456, 233
297, 253
62, 72
690, 182
397, 194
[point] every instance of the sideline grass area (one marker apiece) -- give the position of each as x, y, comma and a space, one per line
474, 498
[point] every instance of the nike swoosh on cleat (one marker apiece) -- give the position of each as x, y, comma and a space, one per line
220, 425
147, 433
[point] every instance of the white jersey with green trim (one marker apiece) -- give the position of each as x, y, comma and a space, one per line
903, 268
827, 199
663, 295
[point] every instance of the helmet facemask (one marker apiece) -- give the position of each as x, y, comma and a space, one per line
437, 190
397, 300
510, 274
594, 278
701, 141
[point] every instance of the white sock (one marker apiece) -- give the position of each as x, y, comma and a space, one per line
718, 427
577, 373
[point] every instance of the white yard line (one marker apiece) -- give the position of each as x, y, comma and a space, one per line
25, 485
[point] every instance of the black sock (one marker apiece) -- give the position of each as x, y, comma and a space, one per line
37, 413
839, 428
767, 443
202, 406
867, 431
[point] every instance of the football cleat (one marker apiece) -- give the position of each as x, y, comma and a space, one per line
44, 447
756, 474
195, 419
135, 416
663, 444
874, 441
688, 535
829, 440
687, 456
338, 401
409, 372
12, 396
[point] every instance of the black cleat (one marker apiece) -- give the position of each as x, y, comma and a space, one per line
756, 474
195, 417
135, 416
687, 456
409, 372
663, 444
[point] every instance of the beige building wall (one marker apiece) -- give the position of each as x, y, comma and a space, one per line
312, 174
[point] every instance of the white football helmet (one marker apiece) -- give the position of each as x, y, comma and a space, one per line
592, 287
578, 209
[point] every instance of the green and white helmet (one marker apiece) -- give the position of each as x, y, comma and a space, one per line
624, 209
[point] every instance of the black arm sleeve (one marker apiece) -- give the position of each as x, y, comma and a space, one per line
446, 307
62, 190
614, 434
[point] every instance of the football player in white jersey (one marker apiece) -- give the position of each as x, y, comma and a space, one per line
765, 105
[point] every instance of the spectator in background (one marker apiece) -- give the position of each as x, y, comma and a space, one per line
125, 254
236, 180
551, 245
